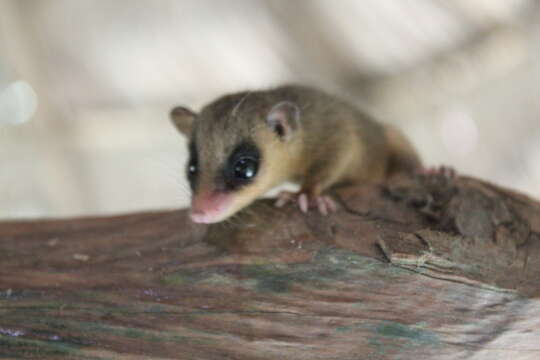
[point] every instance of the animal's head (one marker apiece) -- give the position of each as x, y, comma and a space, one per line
236, 151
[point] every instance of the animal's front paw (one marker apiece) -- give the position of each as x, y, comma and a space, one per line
444, 171
325, 204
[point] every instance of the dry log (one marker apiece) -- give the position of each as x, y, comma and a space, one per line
417, 268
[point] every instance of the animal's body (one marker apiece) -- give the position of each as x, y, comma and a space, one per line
243, 144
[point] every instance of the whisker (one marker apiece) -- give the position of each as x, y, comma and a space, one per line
237, 106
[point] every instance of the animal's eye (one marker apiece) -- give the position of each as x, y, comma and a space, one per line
242, 166
192, 169
245, 168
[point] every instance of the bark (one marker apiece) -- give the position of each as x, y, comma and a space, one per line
417, 268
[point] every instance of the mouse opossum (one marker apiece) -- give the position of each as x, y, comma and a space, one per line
243, 144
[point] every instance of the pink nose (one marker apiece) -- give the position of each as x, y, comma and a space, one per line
202, 218
209, 208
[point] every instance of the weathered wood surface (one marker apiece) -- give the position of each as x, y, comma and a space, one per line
423, 268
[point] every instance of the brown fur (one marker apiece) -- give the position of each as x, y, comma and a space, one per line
403, 156
335, 143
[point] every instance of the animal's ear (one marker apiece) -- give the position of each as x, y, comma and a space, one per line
284, 119
183, 118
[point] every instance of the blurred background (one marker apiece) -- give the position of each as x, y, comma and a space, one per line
86, 87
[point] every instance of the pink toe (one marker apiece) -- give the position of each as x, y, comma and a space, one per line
331, 204
283, 198
321, 204
303, 202
280, 202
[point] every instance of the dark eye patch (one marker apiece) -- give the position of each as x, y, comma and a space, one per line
242, 166
192, 169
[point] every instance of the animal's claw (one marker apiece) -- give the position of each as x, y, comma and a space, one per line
325, 204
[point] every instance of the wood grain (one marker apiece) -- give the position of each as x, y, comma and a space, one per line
417, 268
